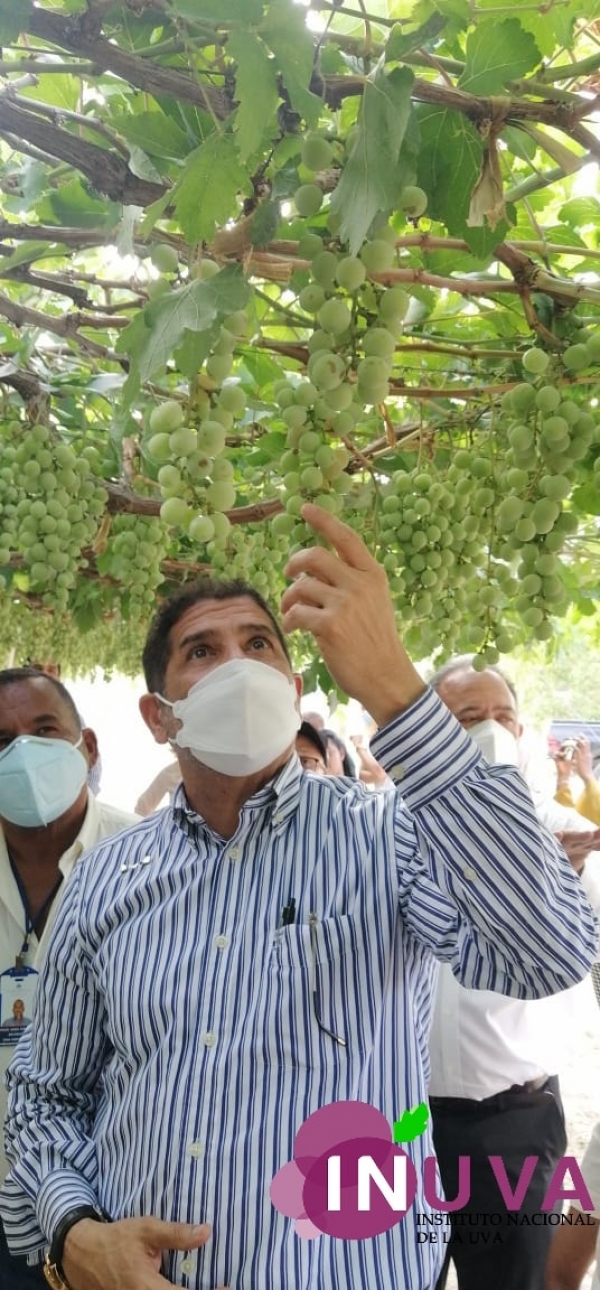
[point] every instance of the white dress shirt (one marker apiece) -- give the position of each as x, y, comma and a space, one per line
100, 821
482, 1042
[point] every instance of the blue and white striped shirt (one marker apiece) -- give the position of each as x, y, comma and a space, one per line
175, 1050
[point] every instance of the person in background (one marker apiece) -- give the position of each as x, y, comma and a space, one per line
48, 818
54, 670
339, 761
164, 784
311, 749
576, 1244
494, 1086
574, 757
267, 946
315, 719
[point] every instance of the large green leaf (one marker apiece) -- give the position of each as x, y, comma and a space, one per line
285, 32
205, 195
255, 90
156, 133
497, 52
156, 332
449, 167
371, 180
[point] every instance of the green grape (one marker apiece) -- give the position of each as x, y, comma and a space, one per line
312, 478
282, 525
221, 495
334, 316
327, 370
165, 418
320, 340
312, 298
555, 486
535, 361
309, 246
544, 514
413, 201
306, 394
523, 396
525, 529
575, 358
294, 416
168, 477
164, 257
547, 399
174, 511
339, 398
183, 442
317, 152
521, 437
211, 438
592, 345
555, 429
379, 342
218, 367
350, 273
201, 528
308, 200
324, 269
509, 511
221, 525
221, 416
309, 442
378, 256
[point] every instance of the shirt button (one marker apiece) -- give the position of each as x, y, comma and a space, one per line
188, 1265
234, 853
277, 819
469, 873
221, 942
196, 1150
209, 1039
397, 771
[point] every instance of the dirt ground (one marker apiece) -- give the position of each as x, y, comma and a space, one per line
580, 1084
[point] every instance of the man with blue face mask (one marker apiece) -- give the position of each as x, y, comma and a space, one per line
265, 947
48, 817
494, 1087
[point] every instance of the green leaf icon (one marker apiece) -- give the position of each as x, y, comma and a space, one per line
411, 1123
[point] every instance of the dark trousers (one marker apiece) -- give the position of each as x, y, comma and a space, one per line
15, 1273
513, 1125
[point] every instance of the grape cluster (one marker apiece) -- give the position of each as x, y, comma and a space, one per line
133, 557
51, 506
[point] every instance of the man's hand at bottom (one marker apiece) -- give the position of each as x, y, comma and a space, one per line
125, 1255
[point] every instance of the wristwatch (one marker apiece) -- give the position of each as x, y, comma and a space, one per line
52, 1268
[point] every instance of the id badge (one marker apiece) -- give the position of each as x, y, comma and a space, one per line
17, 990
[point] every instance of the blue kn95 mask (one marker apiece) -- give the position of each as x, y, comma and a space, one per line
39, 780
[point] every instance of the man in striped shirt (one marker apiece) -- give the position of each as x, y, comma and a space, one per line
266, 947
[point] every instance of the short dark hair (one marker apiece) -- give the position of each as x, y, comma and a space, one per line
16, 676
313, 736
157, 650
464, 663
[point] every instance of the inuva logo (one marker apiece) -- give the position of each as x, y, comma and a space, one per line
350, 1179
345, 1185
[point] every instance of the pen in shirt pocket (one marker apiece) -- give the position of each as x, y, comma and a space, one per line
288, 913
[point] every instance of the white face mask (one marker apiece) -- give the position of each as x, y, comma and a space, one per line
40, 779
497, 744
239, 718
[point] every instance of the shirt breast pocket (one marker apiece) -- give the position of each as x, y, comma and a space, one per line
319, 985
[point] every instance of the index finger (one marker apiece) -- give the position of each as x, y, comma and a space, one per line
346, 542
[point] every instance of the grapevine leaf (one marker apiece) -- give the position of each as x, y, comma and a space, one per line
371, 180
449, 167
411, 1123
151, 338
14, 19
156, 133
497, 52
206, 191
285, 32
255, 90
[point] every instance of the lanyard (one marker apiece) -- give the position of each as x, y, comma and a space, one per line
31, 923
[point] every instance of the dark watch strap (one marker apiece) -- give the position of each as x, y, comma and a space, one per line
63, 1228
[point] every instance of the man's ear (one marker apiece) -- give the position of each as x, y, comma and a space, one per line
520, 730
90, 746
152, 711
299, 687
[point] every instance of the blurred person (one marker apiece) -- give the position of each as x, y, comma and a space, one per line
576, 1244
163, 785
369, 770
267, 944
339, 761
48, 817
315, 719
574, 758
494, 1086
311, 749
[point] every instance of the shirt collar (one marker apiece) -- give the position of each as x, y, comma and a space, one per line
86, 838
280, 797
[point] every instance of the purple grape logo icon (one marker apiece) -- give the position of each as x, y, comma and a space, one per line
349, 1178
